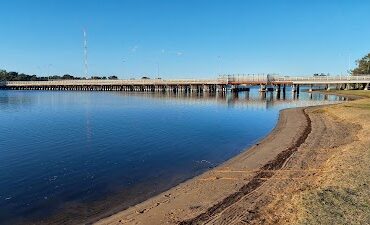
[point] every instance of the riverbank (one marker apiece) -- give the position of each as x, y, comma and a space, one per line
284, 179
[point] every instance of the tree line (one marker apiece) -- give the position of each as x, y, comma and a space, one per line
363, 66
14, 76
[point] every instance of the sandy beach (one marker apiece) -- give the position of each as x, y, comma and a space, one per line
303, 169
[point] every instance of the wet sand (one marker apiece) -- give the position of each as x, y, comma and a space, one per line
202, 197
262, 184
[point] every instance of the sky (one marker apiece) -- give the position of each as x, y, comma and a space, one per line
183, 38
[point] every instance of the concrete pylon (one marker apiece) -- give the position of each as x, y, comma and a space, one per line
347, 87
293, 88
262, 88
328, 87
277, 88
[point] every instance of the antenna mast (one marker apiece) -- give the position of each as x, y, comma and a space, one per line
85, 54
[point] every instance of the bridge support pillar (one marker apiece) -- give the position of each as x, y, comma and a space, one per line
347, 87
262, 88
366, 87
278, 88
311, 87
234, 88
294, 88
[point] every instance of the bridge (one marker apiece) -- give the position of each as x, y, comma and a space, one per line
222, 83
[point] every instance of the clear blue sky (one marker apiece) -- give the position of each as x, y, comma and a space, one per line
186, 38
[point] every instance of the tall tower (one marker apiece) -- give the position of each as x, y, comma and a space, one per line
85, 54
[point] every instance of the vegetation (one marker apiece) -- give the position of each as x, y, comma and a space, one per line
14, 76
363, 66
104, 78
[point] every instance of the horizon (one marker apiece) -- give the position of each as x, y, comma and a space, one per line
189, 39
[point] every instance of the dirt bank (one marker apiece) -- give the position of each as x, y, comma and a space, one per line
298, 174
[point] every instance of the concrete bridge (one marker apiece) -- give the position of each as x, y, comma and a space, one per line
223, 83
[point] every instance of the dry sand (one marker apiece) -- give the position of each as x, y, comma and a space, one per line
312, 169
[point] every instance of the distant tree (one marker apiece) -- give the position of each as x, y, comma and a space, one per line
14, 76
112, 77
363, 66
3, 74
67, 77
145, 78
55, 77
33, 78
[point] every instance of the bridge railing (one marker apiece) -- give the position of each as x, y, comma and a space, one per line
222, 80
274, 78
117, 82
324, 78
244, 78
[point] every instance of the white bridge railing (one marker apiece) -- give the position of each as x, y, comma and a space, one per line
115, 82
324, 78
296, 79
222, 80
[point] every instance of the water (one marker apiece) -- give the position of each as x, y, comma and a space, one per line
72, 154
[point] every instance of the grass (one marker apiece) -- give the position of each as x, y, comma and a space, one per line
343, 195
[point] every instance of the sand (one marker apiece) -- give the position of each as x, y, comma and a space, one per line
288, 178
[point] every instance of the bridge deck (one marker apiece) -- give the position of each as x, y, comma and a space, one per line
161, 84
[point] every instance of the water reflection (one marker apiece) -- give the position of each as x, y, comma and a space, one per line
249, 99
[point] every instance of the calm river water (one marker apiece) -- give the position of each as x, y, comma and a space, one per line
73, 154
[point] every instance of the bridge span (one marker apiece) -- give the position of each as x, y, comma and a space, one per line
223, 84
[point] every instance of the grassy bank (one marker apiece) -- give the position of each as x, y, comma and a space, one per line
341, 194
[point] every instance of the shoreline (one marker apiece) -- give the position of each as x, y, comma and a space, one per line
291, 149
246, 172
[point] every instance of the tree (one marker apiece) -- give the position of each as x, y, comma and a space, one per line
14, 76
363, 66
67, 77
3, 74
112, 77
